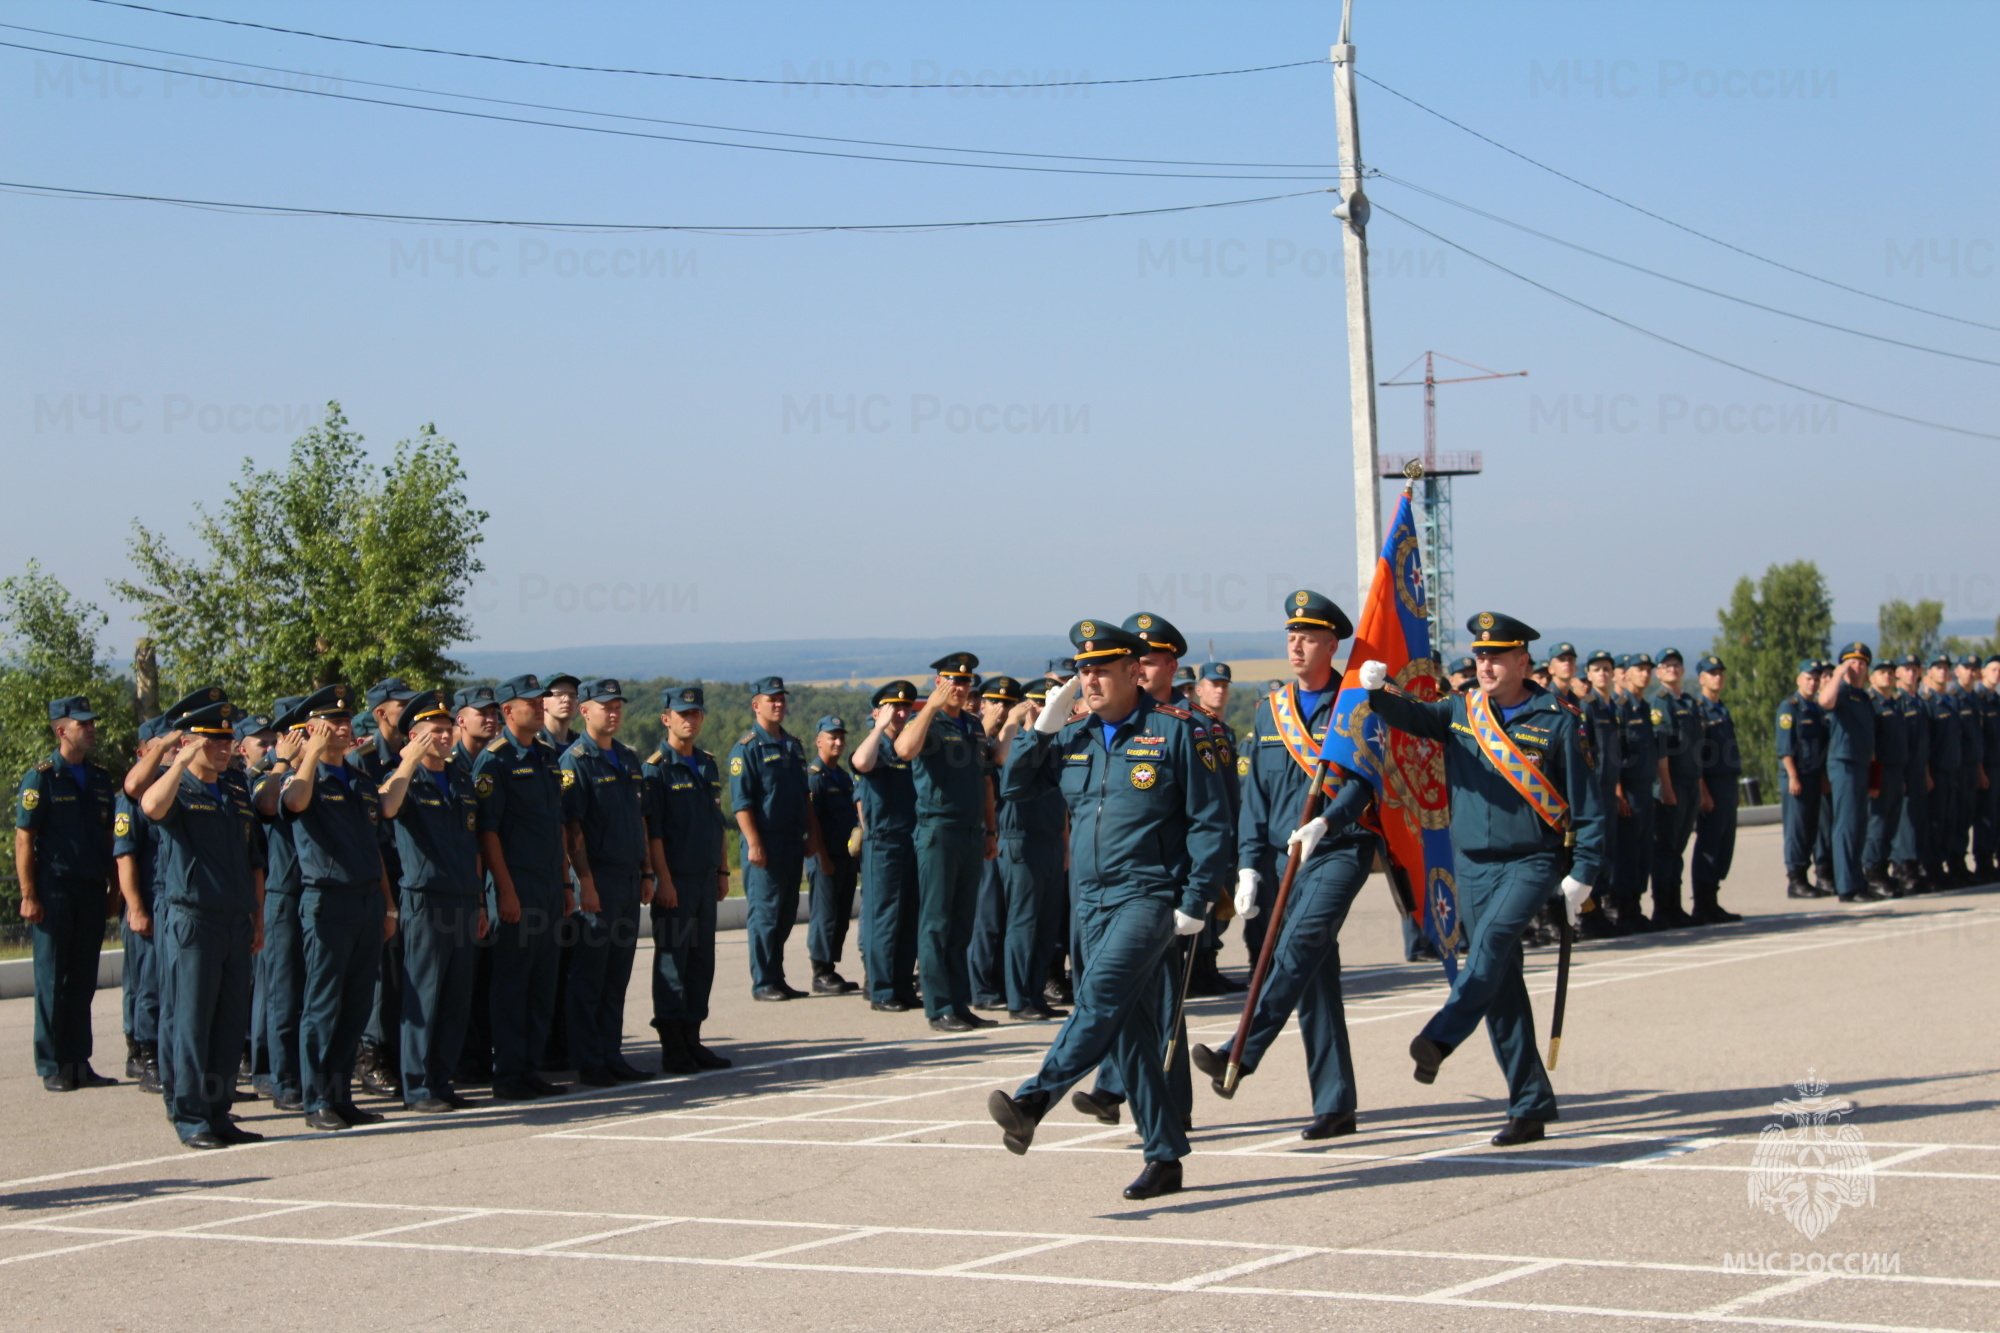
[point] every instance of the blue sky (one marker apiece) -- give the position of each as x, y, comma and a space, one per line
1045, 422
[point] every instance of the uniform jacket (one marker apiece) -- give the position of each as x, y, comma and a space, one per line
610, 801
1802, 733
767, 776
1274, 787
687, 813
71, 824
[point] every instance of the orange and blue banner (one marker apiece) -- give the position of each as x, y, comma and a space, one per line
1413, 800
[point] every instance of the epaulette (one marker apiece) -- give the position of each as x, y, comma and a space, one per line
815, 767
653, 758
46, 766
744, 739
1172, 711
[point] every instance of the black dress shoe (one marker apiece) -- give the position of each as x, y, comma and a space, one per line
950, 1023
1216, 1065
206, 1139
86, 1077
625, 1073
1058, 992
233, 1136
544, 1088
1329, 1127
990, 1006
326, 1118
60, 1081
1098, 1106
977, 1021
597, 1078
1429, 1055
1158, 1178
707, 1059
431, 1106
454, 1100
354, 1115
1230, 985
792, 992
288, 1101
1518, 1132
772, 994
1017, 1117
832, 983
1036, 1015
889, 1006
515, 1090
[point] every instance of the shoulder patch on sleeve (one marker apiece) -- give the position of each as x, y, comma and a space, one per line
735, 765
483, 784
569, 777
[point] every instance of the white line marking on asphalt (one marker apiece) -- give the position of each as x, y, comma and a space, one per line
1492, 1279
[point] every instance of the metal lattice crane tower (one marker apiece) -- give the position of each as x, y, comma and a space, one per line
1434, 517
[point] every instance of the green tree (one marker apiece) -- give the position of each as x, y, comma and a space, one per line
1908, 629
327, 570
1979, 648
1768, 626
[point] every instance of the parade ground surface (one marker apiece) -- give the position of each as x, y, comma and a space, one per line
844, 1174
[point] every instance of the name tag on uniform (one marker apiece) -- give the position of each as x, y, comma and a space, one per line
527, 772
1138, 753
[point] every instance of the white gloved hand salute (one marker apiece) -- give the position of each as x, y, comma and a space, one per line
1246, 893
1185, 924
1306, 836
1055, 709
1574, 891
1374, 675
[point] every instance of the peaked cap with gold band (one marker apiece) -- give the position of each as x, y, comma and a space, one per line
1158, 632
1005, 689
332, 701
187, 703
1306, 609
1098, 640
895, 692
1862, 651
217, 719
1493, 632
422, 707
956, 664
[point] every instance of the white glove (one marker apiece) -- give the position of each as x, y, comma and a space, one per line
1374, 675
1306, 836
1574, 891
1055, 709
1185, 924
1246, 893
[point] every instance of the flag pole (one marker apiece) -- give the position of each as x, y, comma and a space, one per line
1234, 1073
1562, 988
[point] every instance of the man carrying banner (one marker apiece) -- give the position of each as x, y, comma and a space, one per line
1525, 820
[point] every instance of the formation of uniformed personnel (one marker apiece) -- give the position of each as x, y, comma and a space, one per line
1721, 767
946, 749
832, 876
1335, 856
769, 792
687, 813
1525, 825
1681, 796
1149, 852
890, 907
62, 855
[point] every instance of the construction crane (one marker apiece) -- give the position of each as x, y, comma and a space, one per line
1434, 518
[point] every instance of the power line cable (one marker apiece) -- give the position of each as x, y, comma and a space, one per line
720, 229
706, 78
669, 138
654, 120
1681, 282
1695, 351
1678, 226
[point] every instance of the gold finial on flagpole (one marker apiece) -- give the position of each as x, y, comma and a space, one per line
1413, 471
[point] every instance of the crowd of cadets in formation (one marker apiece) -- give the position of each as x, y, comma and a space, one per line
454, 896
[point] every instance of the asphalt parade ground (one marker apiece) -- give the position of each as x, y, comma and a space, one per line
844, 1174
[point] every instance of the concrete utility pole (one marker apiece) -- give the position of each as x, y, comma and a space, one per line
1353, 213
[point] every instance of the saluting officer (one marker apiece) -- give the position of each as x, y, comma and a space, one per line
62, 856
986, 953
212, 876
1682, 796
281, 964
831, 788
1850, 749
1335, 855
1892, 760
889, 898
769, 792
612, 832
1801, 746
430, 806
1525, 824
956, 836
135, 852
1721, 767
687, 812
256, 743
378, 1064
517, 781
1638, 754
1947, 770
1032, 844
1149, 853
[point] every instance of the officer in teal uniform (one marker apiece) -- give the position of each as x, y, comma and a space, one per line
211, 876
1892, 763
477, 717
429, 805
611, 831
986, 953
1032, 844
281, 964
517, 781
686, 790
1209, 694
1680, 794
1801, 746
1947, 768
255, 735
1638, 773
65, 806
1850, 750
345, 910
956, 837
1721, 768
1336, 854
135, 848
1599, 704
769, 793
378, 1064
1972, 766
889, 898
831, 789
1511, 855
1149, 853
1986, 830
1908, 846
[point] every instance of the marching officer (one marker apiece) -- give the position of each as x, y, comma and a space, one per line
62, 856
611, 832
1638, 754
831, 789
1721, 767
1910, 847
1335, 855
687, 811
1149, 853
428, 802
1682, 796
1892, 758
1801, 746
1525, 824
889, 899
769, 792
517, 781
947, 751
212, 876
